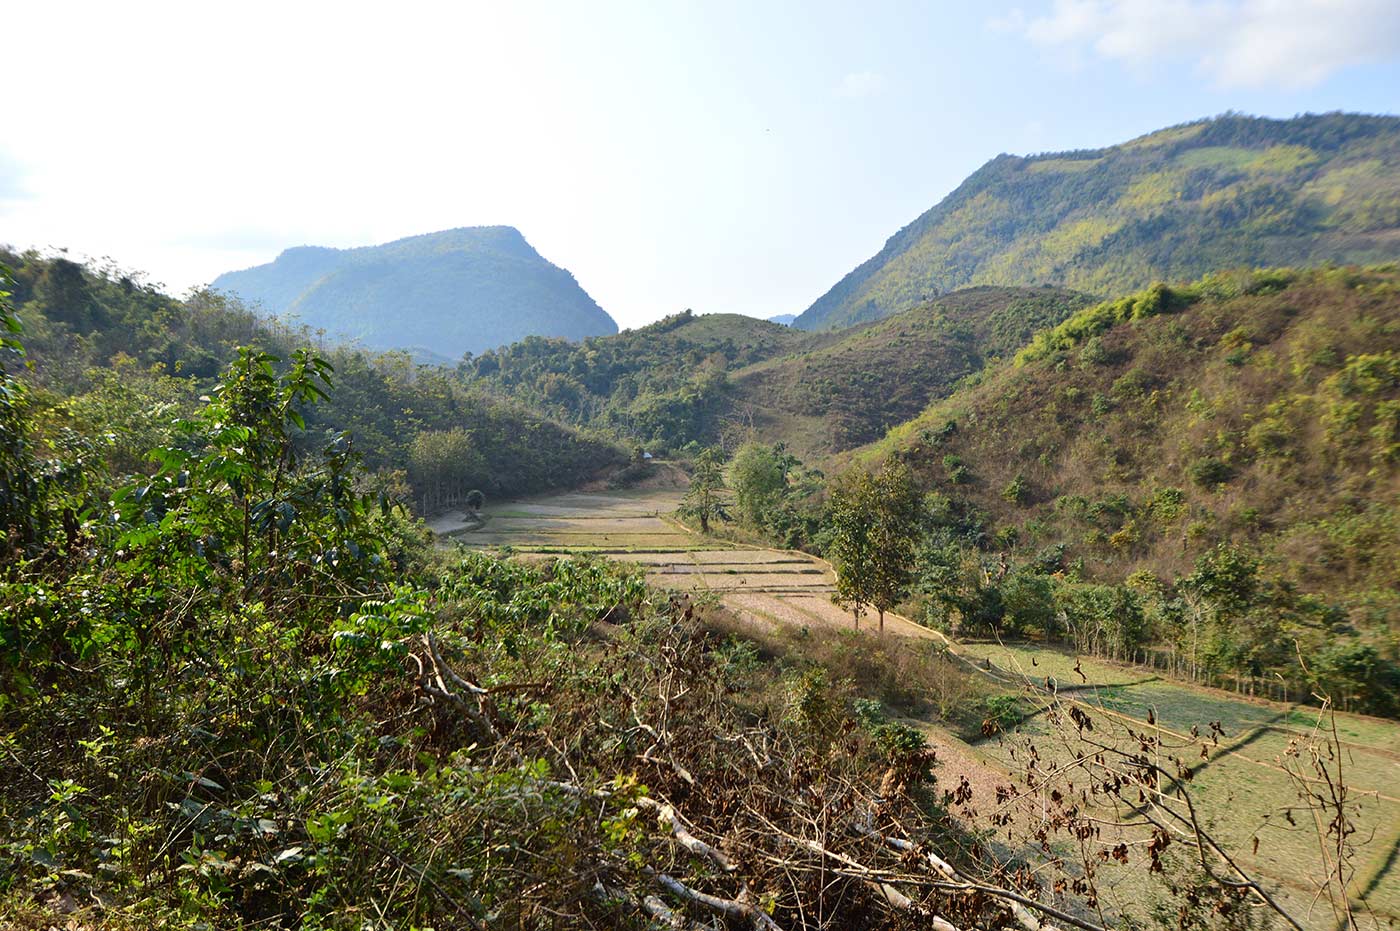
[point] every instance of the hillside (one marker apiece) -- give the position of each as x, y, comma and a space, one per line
855, 385
1172, 205
662, 384
118, 361
437, 295
1258, 412
721, 377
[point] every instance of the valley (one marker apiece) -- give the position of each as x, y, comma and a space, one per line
1243, 779
394, 587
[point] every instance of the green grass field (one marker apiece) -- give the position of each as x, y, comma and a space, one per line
1242, 789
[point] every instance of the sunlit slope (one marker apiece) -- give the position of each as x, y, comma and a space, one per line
1172, 205
1262, 409
853, 386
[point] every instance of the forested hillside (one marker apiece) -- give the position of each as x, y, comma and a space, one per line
663, 384
117, 362
851, 387
1213, 469
690, 381
437, 296
1172, 205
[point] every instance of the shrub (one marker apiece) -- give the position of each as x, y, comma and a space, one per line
1017, 490
1208, 472
1167, 505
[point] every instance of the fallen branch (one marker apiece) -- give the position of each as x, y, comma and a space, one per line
732, 909
667, 815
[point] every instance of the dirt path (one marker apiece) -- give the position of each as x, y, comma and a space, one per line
770, 588
763, 585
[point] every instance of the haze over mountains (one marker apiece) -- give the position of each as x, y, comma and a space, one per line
1172, 205
438, 295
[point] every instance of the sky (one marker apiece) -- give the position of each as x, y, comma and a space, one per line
719, 155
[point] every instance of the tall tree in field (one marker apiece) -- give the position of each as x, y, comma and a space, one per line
758, 475
705, 501
894, 534
852, 548
874, 522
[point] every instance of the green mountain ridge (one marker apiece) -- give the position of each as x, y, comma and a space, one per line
847, 388
114, 356
1257, 410
438, 295
1172, 205
717, 377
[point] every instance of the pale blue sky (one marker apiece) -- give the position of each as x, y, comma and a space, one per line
723, 156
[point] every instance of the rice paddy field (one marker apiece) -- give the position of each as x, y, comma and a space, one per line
1242, 781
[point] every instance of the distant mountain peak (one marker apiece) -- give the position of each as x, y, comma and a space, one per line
1171, 205
456, 291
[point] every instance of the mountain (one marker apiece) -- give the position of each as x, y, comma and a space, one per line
720, 377
1172, 205
848, 388
129, 359
784, 319
438, 295
1256, 409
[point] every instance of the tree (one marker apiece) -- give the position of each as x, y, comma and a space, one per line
444, 467
759, 476
896, 530
21, 500
874, 523
705, 500
852, 547
1227, 578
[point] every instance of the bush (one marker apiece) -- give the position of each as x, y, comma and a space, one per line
1209, 472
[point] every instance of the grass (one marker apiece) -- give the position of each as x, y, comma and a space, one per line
1245, 791
1037, 662
1363, 770
1180, 707
1241, 799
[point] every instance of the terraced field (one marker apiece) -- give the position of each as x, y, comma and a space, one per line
1243, 781
1243, 777
767, 587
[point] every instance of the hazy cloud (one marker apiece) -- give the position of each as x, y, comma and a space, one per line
1233, 43
861, 84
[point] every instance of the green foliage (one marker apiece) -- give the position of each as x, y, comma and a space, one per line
1262, 497
444, 466
663, 385
759, 476
1229, 192
707, 500
874, 523
774, 494
1355, 675
1208, 472
701, 380
23, 486
124, 383
1016, 490
1227, 578
1105, 620
1087, 325
245, 700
